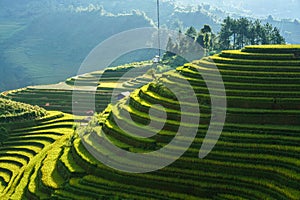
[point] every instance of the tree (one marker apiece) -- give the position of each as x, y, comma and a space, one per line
233, 24
206, 41
206, 29
238, 33
225, 33
252, 34
183, 48
213, 42
204, 37
258, 31
200, 40
266, 33
191, 32
242, 27
276, 38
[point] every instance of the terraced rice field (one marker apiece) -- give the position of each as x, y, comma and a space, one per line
256, 157
29, 155
102, 83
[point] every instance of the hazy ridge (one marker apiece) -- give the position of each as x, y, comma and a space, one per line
45, 41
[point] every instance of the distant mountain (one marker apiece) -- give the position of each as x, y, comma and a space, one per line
280, 9
48, 47
283, 14
45, 41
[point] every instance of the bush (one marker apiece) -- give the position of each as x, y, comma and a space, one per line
11, 111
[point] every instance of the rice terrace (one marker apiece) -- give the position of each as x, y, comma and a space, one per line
48, 151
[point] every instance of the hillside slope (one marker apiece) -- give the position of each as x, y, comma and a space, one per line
13, 111
45, 42
256, 156
59, 96
50, 47
29, 136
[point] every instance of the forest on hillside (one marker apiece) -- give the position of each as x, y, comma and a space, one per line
45, 42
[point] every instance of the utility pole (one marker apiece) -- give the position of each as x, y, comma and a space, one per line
158, 26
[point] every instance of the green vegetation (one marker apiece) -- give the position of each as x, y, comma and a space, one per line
59, 96
257, 154
13, 111
31, 148
237, 33
234, 34
32, 51
256, 157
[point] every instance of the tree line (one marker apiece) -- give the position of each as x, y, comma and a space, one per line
237, 33
234, 34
